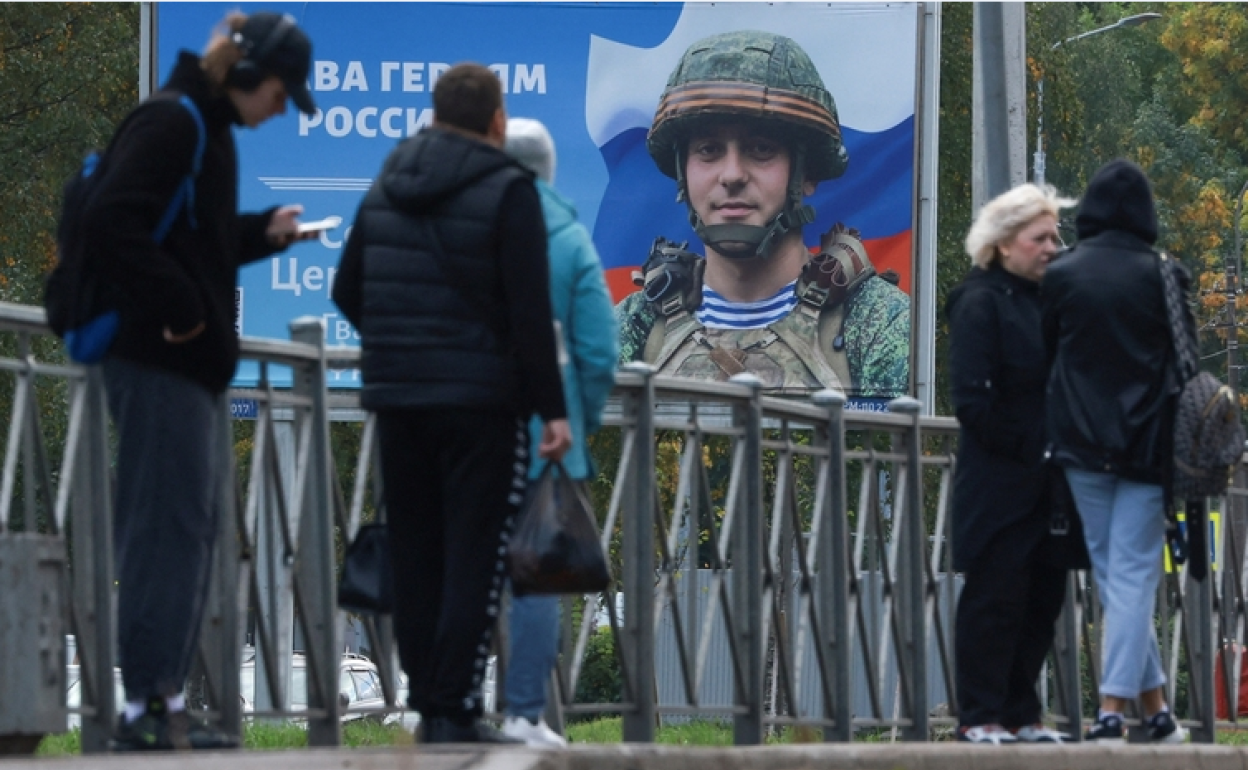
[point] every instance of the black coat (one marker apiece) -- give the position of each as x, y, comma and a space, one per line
190, 278
998, 371
1111, 384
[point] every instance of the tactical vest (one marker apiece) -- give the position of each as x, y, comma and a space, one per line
801, 352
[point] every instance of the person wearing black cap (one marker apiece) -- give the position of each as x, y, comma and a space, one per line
1111, 400
175, 352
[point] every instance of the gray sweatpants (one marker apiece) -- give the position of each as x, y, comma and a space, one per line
165, 520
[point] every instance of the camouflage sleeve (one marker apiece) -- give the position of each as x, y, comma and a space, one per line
635, 318
877, 340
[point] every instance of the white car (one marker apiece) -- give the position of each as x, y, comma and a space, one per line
359, 686
73, 694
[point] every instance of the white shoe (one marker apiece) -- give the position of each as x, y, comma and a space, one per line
538, 736
1038, 733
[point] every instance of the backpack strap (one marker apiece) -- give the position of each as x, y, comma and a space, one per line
186, 191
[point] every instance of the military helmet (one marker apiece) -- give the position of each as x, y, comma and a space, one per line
754, 75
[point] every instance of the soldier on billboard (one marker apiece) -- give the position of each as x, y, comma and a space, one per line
747, 129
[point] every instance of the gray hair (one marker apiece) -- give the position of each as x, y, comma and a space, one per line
1006, 215
529, 142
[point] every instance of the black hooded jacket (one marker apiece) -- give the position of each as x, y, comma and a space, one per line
1107, 337
446, 278
191, 277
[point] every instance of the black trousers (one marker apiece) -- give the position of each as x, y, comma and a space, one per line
1005, 625
454, 479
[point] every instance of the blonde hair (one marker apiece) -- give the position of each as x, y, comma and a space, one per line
1006, 215
222, 52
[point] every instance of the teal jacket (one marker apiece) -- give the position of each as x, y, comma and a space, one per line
582, 305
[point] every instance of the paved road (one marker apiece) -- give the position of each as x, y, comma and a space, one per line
931, 756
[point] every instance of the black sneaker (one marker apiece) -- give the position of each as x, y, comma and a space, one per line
1163, 729
158, 730
1107, 729
444, 730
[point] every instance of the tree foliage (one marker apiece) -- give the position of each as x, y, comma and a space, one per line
68, 74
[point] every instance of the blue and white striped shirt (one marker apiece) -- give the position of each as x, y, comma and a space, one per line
718, 313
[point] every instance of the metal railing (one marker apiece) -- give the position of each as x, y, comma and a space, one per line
821, 535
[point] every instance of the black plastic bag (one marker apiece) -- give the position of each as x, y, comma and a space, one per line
367, 583
555, 550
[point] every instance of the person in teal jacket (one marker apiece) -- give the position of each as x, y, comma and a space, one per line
588, 355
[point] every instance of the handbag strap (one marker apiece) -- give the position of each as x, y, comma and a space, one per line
1181, 332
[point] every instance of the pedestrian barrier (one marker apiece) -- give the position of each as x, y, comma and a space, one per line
819, 536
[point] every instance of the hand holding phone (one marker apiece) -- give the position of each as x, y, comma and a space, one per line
307, 230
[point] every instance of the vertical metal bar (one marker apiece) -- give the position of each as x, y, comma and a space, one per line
747, 570
911, 572
93, 563
1198, 606
314, 569
638, 535
832, 584
1066, 657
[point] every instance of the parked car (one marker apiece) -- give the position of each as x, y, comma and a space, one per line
359, 686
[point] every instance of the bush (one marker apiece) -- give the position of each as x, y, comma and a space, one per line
600, 680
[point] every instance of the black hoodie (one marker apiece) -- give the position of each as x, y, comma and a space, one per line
1107, 336
445, 276
189, 278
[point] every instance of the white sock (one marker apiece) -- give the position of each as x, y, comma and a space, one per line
1105, 713
175, 703
135, 709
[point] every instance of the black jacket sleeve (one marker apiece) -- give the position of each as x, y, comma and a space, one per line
348, 291
975, 357
145, 166
526, 290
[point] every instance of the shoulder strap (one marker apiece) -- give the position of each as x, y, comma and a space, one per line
186, 191
1181, 330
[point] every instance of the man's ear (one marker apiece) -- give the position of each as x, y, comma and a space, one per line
497, 133
808, 188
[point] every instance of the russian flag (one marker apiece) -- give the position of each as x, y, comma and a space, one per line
867, 56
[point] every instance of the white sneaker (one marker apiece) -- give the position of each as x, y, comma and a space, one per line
538, 736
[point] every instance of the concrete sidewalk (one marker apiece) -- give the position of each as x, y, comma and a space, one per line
914, 756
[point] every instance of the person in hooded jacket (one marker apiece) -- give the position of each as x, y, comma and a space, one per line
176, 349
1111, 399
446, 278
582, 306
1014, 587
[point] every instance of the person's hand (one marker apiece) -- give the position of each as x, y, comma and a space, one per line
283, 228
556, 440
178, 339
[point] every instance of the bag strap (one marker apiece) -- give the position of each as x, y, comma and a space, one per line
186, 191
1182, 334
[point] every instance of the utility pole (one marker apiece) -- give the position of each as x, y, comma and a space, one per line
1232, 293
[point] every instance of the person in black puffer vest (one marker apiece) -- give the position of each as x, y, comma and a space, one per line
445, 276
1111, 397
176, 349
1015, 580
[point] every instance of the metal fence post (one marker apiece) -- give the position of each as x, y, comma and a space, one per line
748, 542
911, 575
1066, 661
835, 562
92, 516
1200, 646
638, 513
315, 572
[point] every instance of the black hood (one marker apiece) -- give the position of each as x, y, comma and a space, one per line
1118, 198
434, 165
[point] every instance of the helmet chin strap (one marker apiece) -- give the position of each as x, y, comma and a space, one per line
737, 241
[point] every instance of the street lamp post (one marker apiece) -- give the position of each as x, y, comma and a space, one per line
1232, 290
1037, 168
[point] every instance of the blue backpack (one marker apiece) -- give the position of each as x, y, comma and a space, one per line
82, 309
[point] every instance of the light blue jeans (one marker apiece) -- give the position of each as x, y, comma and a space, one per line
1124, 526
534, 626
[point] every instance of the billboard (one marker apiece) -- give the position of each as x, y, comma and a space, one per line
595, 73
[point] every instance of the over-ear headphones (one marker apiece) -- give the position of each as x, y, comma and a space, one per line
248, 73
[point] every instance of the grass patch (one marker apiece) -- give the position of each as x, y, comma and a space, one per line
694, 733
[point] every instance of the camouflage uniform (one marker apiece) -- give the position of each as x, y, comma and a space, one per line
851, 327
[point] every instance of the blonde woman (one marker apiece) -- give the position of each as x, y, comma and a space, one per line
1013, 587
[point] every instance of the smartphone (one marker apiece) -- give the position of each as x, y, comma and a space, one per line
321, 225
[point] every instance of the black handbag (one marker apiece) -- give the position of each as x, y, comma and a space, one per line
555, 549
367, 583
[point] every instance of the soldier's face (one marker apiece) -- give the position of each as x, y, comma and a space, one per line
737, 174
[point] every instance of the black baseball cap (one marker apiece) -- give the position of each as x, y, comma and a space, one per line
277, 46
